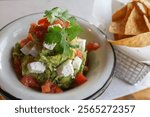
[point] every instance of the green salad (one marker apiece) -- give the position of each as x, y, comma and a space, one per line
52, 58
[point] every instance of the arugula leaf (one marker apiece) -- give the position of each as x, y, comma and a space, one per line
56, 13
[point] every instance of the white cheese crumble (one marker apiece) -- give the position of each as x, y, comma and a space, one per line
26, 49
51, 26
36, 67
82, 44
33, 51
66, 69
77, 63
49, 46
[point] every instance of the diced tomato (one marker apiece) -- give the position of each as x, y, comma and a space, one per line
23, 42
58, 21
79, 53
29, 81
91, 46
80, 79
30, 37
43, 22
17, 65
40, 32
67, 24
49, 87
45, 88
32, 27
58, 90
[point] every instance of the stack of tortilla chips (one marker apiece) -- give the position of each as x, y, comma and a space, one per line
131, 24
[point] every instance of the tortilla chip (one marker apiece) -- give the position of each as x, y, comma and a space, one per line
142, 8
140, 40
136, 23
119, 19
117, 27
120, 14
147, 22
116, 37
119, 37
144, 2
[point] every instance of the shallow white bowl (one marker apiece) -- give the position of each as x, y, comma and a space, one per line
101, 65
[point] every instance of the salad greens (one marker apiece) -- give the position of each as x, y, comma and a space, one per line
56, 13
62, 36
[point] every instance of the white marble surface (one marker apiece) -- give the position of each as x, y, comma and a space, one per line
12, 9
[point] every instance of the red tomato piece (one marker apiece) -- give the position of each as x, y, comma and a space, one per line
32, 27
44, 22
29, 81
67, 24
49, 87
79, 53
58, 21
25, 41
91, 46
45, 88
40, 32
17, 65
58, 90
30, 37
80, 79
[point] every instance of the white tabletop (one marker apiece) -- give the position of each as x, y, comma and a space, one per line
13, 9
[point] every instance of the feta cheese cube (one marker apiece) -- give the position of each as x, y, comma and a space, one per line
36, 67
33, 51
77, 63
51, 26
82, 44
49, 46
26, 49
66, 69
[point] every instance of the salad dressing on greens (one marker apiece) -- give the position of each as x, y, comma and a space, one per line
52, 58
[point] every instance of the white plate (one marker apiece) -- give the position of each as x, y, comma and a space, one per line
101, 62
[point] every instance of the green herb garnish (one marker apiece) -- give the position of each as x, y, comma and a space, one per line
56, 13
62, 36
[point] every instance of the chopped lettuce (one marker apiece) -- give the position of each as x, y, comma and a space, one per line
16, 51
52, 61
25, 61
83, 61
63, 82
